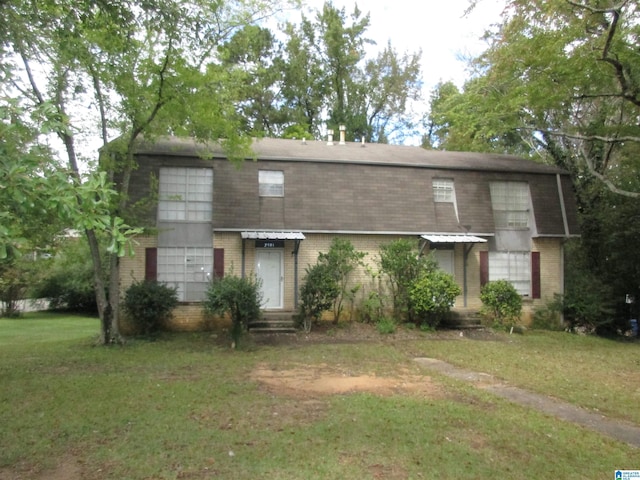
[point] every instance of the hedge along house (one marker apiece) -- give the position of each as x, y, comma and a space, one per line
485, 217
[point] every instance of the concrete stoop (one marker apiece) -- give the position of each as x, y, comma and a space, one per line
463, 319
274, 322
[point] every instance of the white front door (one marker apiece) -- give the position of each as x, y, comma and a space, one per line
269, 270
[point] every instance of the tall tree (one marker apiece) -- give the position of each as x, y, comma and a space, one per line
562, 78
144, 68
560, 82
328, 78
254, 56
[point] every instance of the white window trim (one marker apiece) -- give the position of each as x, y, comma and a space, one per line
443, 190
511, 204
188, 201
189, 269
515, 267
271, 183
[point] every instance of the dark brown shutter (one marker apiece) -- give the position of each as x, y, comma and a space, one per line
484, 268
150, 263
218, 262
535, 275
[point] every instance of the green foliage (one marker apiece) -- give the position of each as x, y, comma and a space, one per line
13, 285
67, 278
402, 267
35, 195
386, 325
341, 260
548, 317
501, 303
240, 298
325, 69
372, 307
433, 295
588, 300
149, 304
317, 294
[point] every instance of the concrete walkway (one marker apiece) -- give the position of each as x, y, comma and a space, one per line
619, 430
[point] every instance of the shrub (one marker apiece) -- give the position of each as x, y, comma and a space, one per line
239, 297
432, 296
148, 304
548, 317
371, 308
386, 325
341, 259
317, 294
402, 266
501, 303
68, 279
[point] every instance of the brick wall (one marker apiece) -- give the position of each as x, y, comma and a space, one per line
191, 316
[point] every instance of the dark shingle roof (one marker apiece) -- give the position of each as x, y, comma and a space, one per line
354, 153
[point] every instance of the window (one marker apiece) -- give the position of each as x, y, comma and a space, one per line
189, 269
271, 183
185, 194
445, 260
512, 266
443, 190
510, 202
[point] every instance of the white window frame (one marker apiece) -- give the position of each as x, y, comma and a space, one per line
188, 269
185, 194
511, 203
443, 190
515, 267
271, 183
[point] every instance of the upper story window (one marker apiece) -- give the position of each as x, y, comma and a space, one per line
185, 194
271, 183
511, 204
443, 190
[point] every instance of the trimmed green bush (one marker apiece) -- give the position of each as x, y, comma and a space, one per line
239, 297
317, 294
149, 304
501, 303
432, 296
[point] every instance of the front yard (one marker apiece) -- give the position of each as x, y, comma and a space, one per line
342, 403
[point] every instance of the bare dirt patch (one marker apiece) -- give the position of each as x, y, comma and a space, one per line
317, 380
68, 467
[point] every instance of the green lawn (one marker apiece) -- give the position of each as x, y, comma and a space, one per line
184, 406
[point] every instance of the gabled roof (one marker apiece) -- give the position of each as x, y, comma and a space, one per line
355, 153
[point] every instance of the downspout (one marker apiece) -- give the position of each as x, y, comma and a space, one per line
562, 206
566, 234
465, 257
243, 258
295, 273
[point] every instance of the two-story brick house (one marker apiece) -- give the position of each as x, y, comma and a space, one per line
486, 216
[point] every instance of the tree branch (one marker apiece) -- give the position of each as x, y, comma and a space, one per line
599, 138
610, 185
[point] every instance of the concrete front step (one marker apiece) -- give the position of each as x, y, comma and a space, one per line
463, 319
274, 322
